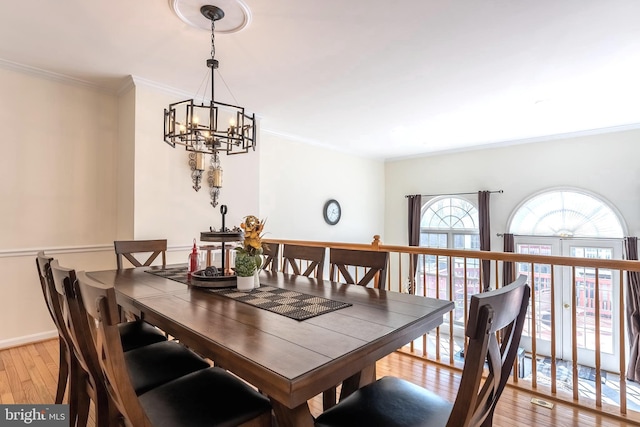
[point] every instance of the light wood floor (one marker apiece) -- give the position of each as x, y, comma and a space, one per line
28, 374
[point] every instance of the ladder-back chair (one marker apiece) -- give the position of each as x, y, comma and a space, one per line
127, 249
393, 402
294, 255
374, 264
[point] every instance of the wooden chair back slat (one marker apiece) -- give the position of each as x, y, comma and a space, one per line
127, 249
43, 265
293, 255
270, 252
374, 262
491, 314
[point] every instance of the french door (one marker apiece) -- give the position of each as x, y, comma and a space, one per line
574, 290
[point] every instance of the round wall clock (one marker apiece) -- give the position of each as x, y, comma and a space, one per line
332, 212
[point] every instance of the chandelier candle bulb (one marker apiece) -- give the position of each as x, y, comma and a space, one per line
217, 178
200, 161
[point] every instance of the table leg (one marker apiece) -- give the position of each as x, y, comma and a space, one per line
299, 416
361, 379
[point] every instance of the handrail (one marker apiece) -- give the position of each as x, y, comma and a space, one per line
457, 272
628, 265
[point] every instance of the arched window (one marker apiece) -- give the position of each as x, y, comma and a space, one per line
449, 222
566, 213
571, 223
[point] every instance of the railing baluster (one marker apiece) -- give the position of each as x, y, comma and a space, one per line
623, 349
452, 312
534, 338
399, 273
597, 336
554, 388
465, 303
438, 296
574, 335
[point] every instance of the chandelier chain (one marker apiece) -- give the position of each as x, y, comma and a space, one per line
213, 39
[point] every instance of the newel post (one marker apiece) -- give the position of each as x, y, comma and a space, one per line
376, 242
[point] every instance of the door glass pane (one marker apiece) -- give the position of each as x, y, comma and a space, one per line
542, 288
431, 268
585, 287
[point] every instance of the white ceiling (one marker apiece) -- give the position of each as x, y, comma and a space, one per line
381, 78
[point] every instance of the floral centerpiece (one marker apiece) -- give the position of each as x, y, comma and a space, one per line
249, 255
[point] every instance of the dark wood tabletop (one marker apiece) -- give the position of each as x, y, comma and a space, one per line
289, 360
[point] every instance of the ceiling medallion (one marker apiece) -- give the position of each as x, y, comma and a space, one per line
236, 14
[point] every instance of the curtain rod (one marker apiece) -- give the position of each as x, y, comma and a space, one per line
453, 194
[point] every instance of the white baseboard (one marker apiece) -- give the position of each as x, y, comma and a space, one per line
28, 339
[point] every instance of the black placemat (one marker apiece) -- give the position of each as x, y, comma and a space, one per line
292, 304
179, 274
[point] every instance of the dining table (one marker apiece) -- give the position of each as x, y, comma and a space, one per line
289, 360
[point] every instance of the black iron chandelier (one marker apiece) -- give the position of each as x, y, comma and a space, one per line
212, 128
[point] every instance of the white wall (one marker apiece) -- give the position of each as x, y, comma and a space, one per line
126, 162
57, 174
296, 180
605, 164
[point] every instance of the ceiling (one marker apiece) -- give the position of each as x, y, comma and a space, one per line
378, 78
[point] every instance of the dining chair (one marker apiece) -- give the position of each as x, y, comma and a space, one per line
374, 263
149, 366
205, 397
85, 384
43, 263
133, 334
270, 252
393, 402
294, 255
127, 249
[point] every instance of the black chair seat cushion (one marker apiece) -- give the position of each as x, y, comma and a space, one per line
159, 363
388, 402
210, 397
138, 334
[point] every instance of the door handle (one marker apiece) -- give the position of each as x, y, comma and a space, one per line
566, 305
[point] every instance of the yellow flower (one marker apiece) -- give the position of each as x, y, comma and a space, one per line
253, 228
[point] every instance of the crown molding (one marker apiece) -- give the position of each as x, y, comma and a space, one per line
126, 86
508, 143
50, 75
316, 143
141, 81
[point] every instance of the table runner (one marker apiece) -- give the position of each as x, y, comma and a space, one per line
292, 304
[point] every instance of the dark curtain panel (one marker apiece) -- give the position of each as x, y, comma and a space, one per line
633, 311
485, 235
507, 267
415, 207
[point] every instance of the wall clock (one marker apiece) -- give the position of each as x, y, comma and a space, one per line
332, 212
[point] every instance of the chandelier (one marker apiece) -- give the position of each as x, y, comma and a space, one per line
209, 128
